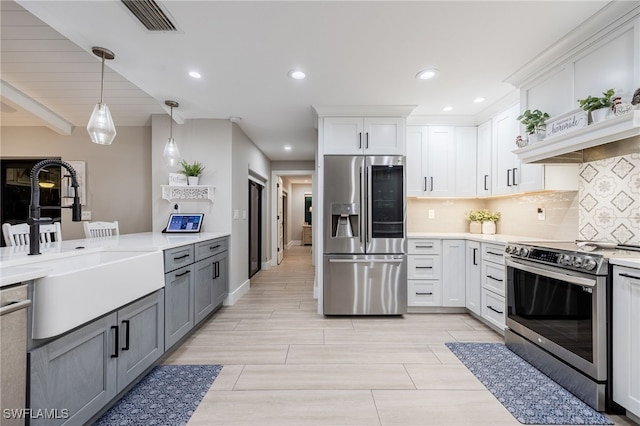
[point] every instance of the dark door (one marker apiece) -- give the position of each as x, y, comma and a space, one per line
255, 227
15, 184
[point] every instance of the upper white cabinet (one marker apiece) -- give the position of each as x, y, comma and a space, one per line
441, 161
483, 176
367, 136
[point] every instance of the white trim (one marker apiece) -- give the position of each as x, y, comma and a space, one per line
259, 179
233, 297
266, 265
295, 243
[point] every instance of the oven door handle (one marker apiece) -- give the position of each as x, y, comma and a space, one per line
551, 274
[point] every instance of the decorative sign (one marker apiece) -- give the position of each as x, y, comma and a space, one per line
567, 122
177, 179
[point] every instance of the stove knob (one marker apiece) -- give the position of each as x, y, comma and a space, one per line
515, 250
508, 249
564, 259
577, 261
589, 263
524, 252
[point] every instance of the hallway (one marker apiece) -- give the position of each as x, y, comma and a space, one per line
286, 365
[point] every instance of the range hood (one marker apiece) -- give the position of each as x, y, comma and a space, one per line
568, 147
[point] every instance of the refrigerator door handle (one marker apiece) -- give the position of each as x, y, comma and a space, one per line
361, 213
366, 260
369, 203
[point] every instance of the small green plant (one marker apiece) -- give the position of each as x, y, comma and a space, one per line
482, 216
592, 103
534, 121
194, 169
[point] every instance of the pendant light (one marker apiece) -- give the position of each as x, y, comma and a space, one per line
171, 152
100, 127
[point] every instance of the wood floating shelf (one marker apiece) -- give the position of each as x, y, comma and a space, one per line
189, 192
603, 132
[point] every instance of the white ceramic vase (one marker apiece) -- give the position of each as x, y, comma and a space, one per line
489, 227
475, 227
193, 180
601, 114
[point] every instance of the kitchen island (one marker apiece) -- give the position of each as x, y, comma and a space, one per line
106, 310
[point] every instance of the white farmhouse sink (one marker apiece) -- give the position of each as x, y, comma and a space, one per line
88, 285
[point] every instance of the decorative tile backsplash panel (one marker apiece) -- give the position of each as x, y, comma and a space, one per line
609, 200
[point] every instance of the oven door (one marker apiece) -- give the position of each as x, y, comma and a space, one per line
562, 311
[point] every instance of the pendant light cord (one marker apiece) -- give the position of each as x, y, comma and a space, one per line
171, 125
102, 79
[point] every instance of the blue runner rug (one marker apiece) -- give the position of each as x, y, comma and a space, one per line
168, 395
529, 395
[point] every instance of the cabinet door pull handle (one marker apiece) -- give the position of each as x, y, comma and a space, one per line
431, 184
424, 267
629, 276
180, 257
126, 335
214, 247
425, 184
360, 140
514, 176
183, 274
367, 141
117, 342
508, 176
425, 294
494, 278
475, 252
485, 182
494, 253
424, 247
495, 310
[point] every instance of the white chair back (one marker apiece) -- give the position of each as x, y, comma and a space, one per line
18, 235
101, 229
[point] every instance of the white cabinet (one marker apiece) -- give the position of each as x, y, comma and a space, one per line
441, 161
484, 173
424, 272
492, 281
453, 273
368, 136
473, 275
626, 338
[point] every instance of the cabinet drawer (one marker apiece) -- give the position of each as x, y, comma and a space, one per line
424, 293
493, 253
493, 308
493, 277
424, 246
424, 267
178, 257
210, 248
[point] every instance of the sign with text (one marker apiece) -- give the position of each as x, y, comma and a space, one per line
565, 123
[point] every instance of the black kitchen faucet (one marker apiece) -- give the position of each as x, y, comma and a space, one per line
35, 220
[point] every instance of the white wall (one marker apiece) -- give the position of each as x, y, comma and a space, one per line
296, 201
118, 175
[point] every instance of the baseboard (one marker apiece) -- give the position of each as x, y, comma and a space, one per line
233, 297
265, 265
295, 243
435, 310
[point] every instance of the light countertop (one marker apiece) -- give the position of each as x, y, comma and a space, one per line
631, 262
488, 238
16, 265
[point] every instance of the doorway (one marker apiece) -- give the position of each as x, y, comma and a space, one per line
255, 227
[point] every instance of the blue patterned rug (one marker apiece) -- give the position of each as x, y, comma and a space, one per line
168, 395
529, 395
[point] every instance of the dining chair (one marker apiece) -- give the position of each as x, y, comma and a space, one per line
101, 229
18, 235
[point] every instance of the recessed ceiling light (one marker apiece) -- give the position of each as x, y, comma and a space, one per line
287, 147
194, 74
297, 74
427, 74
447, 108
478, 100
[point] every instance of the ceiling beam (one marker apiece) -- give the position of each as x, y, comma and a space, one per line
51, 120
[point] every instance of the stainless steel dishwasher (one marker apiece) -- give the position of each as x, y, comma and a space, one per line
13, 353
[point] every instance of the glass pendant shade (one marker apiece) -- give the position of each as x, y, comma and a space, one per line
171, 153
101, 128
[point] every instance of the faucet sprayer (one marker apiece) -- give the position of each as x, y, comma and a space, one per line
35, 220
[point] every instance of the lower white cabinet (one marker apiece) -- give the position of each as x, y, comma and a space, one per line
493, 286
424, 272
473, 274
453, 273
424, 293
626, 338
79, 373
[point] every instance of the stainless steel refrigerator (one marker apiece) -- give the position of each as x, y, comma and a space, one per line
365, 266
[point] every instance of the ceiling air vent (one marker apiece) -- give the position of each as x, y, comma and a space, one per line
150, 14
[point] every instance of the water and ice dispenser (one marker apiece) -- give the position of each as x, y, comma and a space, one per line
345, 220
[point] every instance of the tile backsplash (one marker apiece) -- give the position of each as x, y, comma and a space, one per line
609, 199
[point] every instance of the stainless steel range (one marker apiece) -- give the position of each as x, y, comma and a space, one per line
558, 312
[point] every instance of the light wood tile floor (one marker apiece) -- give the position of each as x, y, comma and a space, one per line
286, 365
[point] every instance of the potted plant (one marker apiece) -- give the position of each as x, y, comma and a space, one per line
597, 107
534, 123
486, 218
192, 171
